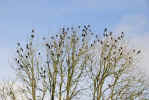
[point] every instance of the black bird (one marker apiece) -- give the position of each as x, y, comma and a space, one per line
32, 36
105, 30
139, 52
110, 33
33, 30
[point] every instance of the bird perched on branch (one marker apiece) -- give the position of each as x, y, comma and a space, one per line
33, 30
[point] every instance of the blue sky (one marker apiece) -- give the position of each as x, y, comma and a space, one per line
18, 17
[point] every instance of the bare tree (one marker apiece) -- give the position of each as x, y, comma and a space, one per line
59, 68
67, 56
110, 67
28, 65
131, 87
10, 90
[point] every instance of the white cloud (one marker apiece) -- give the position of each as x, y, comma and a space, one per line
5, 57
133, 24
138, 35
141, 42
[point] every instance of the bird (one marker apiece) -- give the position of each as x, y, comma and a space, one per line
88, 25
96, 36
33, 30
105, 30
138, 51
101, 42
18, 44
134, 50
32, 36
110, 33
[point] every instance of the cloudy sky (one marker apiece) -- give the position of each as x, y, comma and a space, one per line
19, 17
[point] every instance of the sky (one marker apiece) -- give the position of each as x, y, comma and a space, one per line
19, 17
